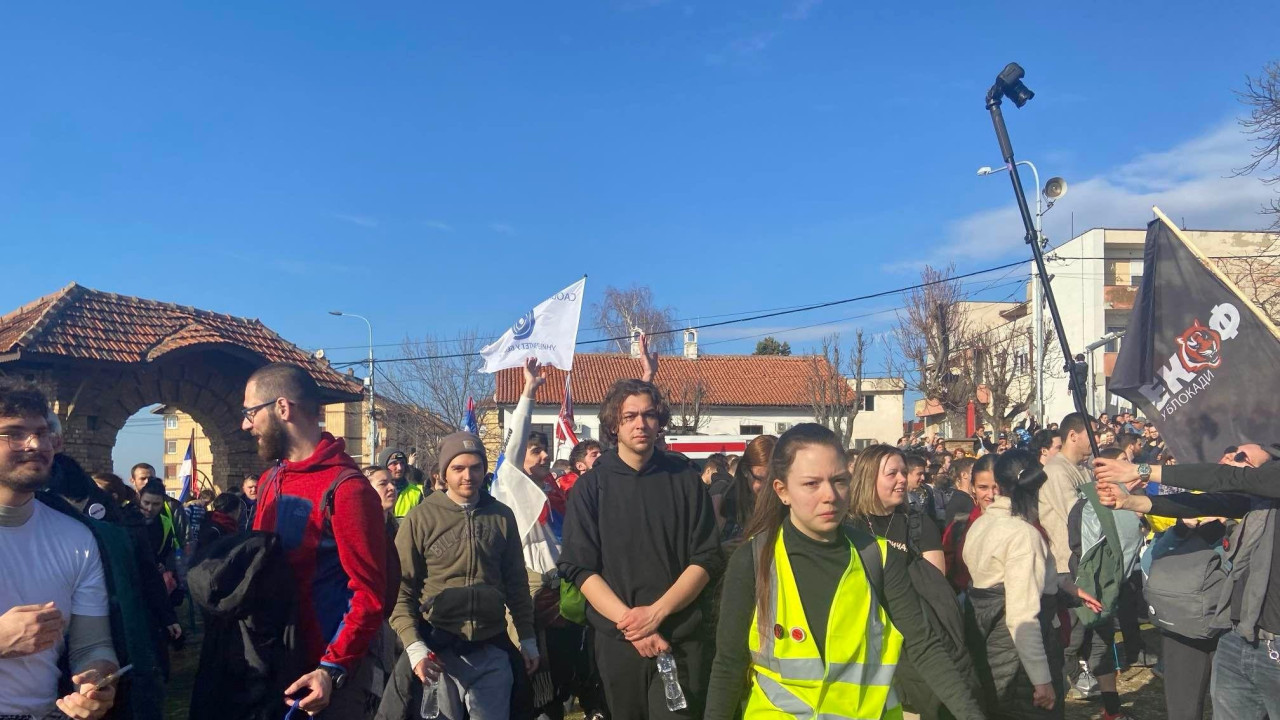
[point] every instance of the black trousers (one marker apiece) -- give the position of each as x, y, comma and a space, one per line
633, 687
1188, 666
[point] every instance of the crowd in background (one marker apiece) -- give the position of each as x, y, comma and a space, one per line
986, 577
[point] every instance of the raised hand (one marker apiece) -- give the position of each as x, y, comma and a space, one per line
535, 376
648, 360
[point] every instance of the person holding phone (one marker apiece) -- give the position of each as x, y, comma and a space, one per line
54, 596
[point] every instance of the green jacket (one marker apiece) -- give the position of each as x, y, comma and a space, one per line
461, 570
141, 695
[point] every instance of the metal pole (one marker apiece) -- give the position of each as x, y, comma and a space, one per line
372, 441
1037, 312
1033, 239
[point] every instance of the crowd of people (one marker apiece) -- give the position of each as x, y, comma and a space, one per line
989, 577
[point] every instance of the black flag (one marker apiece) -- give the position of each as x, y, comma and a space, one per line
1197, 358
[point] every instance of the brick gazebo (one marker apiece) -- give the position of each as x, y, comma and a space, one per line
102, 357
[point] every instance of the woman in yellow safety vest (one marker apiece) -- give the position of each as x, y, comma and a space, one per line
807, 628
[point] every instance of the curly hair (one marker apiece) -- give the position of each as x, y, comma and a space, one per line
611, 408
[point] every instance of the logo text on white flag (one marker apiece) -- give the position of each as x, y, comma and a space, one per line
547, 332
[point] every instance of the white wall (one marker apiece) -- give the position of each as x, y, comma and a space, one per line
1077, 272
882, 425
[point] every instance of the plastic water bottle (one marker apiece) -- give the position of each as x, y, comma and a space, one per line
670, 683
430, 708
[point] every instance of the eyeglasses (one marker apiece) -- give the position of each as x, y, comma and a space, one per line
249, 412
22, 440
1241, 456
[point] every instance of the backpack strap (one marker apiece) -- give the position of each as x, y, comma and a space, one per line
869, 554
914, 528
329, 499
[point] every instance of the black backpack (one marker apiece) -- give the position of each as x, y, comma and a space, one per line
1184, 584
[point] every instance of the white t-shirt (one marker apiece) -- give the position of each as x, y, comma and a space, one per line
49, 558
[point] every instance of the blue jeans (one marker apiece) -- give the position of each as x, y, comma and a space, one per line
1246, 681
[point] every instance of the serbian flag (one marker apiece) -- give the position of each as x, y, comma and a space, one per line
564, 423
469, 422
187, 473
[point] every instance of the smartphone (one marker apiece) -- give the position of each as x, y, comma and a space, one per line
113, 678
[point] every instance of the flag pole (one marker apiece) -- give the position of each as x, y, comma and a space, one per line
1213, 268
1009, 83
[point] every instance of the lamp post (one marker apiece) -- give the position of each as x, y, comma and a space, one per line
1037, 309
373, 419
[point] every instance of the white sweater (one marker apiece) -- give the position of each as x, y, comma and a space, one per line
1004, 550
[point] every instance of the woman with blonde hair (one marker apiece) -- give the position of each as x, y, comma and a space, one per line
816, 612
879, 505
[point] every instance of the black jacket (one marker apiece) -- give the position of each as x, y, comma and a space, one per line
249, 656
640, 530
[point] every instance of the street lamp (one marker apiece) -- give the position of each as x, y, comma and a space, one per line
373, 420
1056, 188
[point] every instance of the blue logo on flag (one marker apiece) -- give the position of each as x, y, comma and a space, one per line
523, 327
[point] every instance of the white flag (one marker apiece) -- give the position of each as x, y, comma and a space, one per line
547, 332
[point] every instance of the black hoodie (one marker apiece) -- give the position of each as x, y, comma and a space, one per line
640, 531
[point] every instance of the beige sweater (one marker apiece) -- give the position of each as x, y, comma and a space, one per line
1057, 496
1004, 550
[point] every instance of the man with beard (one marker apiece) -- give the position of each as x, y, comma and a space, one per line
338, 561
54, 595
641, 542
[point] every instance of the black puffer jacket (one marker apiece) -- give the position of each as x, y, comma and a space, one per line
1006, 689
244, 586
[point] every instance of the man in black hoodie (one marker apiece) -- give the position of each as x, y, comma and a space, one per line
640, 541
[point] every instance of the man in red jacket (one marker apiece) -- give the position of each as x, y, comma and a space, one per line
340, 572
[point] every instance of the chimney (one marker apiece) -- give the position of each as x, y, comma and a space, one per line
635, 343
691, 344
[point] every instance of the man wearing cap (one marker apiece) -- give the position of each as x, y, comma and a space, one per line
462, 570
408, 492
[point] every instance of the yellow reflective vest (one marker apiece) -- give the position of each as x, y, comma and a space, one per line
790, 679
407, 500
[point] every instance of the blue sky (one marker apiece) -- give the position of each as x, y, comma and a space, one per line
444, 165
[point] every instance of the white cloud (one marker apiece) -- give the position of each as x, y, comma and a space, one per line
1192, 182
438, 225
361, 220
802, 9
502, 228
742, 48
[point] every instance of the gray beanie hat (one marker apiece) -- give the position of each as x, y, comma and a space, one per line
461, 443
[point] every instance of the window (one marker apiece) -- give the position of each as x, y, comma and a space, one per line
1135, 271
171, 471
546, 428
750, 429
170, 447
1114, 345
868, 403
862, 443
170, 422
1021, 362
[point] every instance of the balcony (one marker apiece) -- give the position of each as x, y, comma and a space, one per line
1119, 297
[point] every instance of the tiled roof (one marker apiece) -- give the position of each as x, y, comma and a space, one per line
77, 322
727, 380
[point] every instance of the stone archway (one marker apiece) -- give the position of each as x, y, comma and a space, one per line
101, 357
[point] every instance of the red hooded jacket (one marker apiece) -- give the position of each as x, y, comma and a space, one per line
340, 579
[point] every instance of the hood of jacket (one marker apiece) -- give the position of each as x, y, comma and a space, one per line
330, 453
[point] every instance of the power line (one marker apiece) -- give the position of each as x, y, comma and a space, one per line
761, 316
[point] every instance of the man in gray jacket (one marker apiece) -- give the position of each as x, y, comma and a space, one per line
462, 569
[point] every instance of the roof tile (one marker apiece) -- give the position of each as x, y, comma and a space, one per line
77, 322
728, 380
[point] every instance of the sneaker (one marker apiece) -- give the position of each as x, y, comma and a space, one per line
1085, 687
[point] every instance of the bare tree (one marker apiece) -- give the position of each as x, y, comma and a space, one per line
689, 405
1262, 96
432, 382
1003, 365
1258, 276
930, 337
835, 383
620, 311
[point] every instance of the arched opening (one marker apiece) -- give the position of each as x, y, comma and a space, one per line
160, 436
